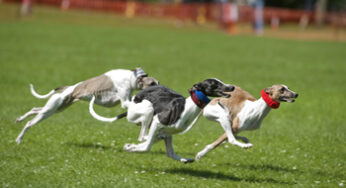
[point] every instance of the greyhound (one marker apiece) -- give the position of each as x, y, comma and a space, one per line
243, 112
164, 112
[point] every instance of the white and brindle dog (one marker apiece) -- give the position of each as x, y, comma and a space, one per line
109, 88
243, 112
164, 112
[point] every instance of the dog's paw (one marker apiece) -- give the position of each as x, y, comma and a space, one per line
18, 120
129, 147
199, 156
246, 146
186, 160
18, 140
246, 140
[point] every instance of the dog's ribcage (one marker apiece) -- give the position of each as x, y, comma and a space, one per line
251, 116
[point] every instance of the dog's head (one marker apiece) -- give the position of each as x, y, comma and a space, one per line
214, 88
144, 82
281, 93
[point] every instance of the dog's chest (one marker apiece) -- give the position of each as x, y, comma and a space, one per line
187, 118
109, 99
252, 114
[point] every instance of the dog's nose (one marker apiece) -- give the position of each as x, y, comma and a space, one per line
230, 88
296, 95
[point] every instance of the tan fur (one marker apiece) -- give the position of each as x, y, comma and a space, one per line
235, 125
234, 104
278, 92
274, 92
220, 140
145, 82
93, 86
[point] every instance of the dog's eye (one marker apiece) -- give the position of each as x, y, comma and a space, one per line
282, 90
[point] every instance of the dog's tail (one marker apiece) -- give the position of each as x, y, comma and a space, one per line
33, 92
100, 118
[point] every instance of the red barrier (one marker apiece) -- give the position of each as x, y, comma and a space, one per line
198, 12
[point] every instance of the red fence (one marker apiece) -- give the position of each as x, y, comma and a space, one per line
193, 11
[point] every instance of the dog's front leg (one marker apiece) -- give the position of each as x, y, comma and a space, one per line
226, 125
220, 114
170, 150
124, 95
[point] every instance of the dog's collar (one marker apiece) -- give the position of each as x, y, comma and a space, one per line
140, 73
270, 102
199, 98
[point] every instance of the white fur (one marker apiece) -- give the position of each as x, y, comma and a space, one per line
124, 82
51, 106
142, 113
250, 118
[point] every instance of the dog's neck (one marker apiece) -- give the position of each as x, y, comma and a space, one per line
262, 106
133, 82
137, 73
270, 102
199, 98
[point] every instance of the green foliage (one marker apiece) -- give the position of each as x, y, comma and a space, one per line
301, 144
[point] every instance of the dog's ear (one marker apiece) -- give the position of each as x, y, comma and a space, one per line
199, 86
268, 90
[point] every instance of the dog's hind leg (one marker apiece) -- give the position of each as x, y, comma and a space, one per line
51, 107
145, 126
212, 146
141, 113
33, 111
29, 124
146, 145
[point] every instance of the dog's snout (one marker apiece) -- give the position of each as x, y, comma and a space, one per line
229, 88
295, 95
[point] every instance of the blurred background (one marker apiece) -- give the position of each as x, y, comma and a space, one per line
232, 16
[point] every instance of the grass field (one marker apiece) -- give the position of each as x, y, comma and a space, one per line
301, 144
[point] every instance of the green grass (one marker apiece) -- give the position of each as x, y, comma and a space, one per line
301, 144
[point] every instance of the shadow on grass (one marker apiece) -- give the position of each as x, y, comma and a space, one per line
89, 145
222, 176
119, 149
265, 167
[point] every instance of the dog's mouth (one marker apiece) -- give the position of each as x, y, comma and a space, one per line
288, 99
223, 94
